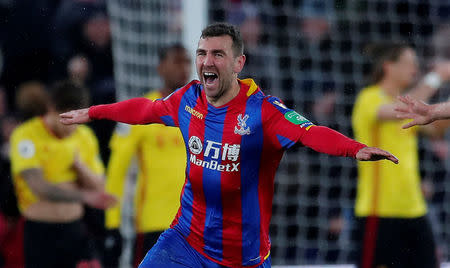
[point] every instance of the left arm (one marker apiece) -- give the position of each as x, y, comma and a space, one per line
294, 128
325, 140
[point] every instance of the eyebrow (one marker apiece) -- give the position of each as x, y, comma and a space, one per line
212, 51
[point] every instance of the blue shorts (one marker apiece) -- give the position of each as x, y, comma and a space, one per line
173, 251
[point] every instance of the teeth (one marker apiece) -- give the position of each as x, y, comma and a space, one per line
209, 73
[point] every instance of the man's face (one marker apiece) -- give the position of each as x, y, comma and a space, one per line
217, 66
405, 69
175, 68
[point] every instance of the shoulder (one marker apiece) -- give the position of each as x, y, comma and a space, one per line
27, 128
85, 132
192, 89
275, 104
369, 92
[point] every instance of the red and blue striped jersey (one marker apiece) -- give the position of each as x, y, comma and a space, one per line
233, 152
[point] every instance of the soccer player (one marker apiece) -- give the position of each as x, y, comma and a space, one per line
56, 169
161, 160
421, 112
390, 209
235, 137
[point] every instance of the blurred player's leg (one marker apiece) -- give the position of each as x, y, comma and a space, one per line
423, 253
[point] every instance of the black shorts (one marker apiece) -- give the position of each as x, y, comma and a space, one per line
395, 243
50, 245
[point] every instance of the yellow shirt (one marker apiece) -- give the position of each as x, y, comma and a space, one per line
161, 155
33, 145
386, 189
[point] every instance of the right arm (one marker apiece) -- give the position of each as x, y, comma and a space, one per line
133, 111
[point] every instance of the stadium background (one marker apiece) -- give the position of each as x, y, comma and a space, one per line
310, 54
307, 52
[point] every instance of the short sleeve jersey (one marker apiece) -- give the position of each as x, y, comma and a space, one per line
33, 145
233, 152
386, 189
161, 157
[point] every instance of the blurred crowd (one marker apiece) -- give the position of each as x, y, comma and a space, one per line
42, 42
307, 44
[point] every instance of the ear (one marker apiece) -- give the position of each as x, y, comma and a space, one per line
239, 62
386, 67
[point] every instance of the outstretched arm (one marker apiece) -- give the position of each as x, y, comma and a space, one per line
326, 140
420, 112
132, 111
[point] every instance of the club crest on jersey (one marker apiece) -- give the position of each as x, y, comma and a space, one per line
243, 129
195, 145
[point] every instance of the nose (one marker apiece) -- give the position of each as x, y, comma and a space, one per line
208, 60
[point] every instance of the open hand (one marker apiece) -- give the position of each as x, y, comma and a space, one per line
414, 109
80, 116
375, 154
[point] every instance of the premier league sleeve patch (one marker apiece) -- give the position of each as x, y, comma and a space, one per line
290, 115
297, 119
26, 149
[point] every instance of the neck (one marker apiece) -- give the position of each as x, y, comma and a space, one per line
390, 87
165, 91
51, 120
227, 96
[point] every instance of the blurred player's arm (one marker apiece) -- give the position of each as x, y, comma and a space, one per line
424, 90
422, 113
34, 178
87, 179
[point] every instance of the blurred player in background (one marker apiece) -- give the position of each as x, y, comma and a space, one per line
235, 137
391, 211
161, 157
56, 168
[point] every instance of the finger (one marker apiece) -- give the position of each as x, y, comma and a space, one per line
405, 115
410, 124
388, 156
66, 121
66, 115
405, 99
392, 158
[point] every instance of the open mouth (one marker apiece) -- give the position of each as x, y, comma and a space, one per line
210, 77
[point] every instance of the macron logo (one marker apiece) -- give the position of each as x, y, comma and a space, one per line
193, 112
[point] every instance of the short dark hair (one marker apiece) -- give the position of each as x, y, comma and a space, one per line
379, 53
164, 51
220, 29
67, 95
